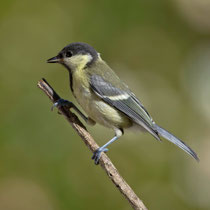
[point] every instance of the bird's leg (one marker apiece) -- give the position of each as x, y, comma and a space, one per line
97, 153
69, 105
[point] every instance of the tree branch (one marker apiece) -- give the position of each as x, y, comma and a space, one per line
105, 162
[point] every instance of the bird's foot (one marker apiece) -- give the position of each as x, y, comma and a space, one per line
62, 102
97, 154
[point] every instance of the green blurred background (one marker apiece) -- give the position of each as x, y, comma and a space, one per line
160, 48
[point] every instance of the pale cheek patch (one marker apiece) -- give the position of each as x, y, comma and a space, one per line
78, 61
89, 58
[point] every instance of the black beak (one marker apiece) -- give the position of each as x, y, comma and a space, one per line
53, 60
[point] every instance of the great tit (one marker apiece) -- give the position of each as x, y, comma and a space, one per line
105, 98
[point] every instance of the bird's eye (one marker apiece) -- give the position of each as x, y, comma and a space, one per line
68, 54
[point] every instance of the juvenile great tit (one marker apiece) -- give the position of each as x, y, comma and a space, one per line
105, 98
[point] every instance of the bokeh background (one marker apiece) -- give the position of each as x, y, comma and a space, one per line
160, 48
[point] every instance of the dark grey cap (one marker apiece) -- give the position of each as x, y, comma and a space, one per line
80, 48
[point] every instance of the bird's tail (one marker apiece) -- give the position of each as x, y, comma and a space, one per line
165, 134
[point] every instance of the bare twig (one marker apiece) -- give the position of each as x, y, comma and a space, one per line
105, 162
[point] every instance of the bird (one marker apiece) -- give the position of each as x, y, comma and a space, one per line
106, 99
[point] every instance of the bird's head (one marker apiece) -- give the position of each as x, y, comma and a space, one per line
76, 55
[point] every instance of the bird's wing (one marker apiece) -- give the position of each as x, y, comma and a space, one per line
124, 101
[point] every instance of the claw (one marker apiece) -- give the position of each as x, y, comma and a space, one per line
54, 105
97, 154
61, 102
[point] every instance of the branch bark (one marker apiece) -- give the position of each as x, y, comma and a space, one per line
105, 162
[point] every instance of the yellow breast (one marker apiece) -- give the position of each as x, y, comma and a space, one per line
94, 106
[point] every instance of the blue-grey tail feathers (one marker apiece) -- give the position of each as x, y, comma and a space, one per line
165, 134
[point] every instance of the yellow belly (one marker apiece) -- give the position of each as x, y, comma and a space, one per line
95, 107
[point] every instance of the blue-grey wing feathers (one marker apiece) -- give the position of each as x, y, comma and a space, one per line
126, 102
123, 101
